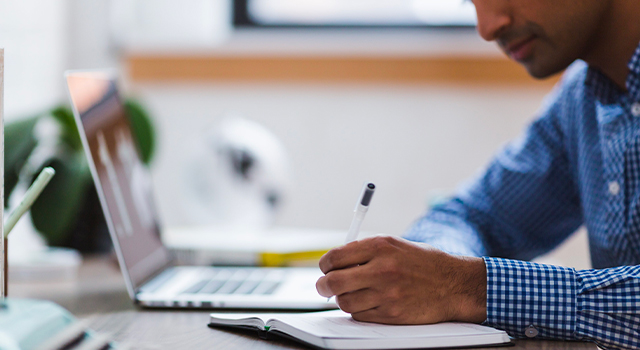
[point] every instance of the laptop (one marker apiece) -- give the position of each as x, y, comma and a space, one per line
123, 184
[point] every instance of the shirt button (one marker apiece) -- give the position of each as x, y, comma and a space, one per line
614, 188
531, 331
635, 109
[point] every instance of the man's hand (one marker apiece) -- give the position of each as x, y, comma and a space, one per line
394, 281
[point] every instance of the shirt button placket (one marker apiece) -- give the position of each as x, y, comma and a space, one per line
635, 109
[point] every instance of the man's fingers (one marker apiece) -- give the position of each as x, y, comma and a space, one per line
383, 314
343, 281
371, 315
358, 301
354, 253
341, 257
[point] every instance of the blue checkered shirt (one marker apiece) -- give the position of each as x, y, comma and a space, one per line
577, 164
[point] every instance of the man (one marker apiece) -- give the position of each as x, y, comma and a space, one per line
578, 163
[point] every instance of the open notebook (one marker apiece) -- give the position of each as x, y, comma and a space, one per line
337, 330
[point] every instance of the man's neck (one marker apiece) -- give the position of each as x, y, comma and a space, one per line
616, 42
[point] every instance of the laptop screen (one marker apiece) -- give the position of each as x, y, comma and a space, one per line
122, 181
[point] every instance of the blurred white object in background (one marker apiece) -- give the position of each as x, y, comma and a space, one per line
169, 24
237, 175
363, 12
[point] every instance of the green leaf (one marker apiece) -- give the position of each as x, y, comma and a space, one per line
70, 134
142, 129
55, 211
18, 145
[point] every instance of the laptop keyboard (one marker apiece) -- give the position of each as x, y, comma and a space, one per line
237, 281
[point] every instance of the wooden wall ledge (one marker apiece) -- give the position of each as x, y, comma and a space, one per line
351, 69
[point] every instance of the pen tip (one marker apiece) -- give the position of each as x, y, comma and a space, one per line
367, 194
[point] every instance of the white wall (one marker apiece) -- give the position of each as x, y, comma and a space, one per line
34, 36
412, 141
90, 42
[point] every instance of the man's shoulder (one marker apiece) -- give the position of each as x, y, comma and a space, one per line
575, 76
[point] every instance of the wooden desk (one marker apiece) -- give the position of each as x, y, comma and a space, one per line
188, 330
100, 297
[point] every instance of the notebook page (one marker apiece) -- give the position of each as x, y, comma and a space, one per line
338, 324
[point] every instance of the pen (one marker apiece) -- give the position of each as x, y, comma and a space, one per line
362, 206
361, 209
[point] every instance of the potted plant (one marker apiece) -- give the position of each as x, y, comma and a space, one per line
68, 212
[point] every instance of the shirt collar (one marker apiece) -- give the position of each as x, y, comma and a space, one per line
606, 90
602, 88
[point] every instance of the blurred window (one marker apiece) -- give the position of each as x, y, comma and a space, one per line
355, 13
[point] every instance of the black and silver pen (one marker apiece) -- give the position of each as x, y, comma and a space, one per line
362, 206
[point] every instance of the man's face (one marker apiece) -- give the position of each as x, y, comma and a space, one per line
545, 36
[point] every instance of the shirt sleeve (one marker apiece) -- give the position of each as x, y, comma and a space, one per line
522, 205
551, 302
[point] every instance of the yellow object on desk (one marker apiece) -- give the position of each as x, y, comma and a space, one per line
278, 246
307, 258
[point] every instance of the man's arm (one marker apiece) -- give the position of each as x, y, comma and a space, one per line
551, 302
527, 200
391, 280
524, 204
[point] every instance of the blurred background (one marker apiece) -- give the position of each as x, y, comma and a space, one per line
401, 93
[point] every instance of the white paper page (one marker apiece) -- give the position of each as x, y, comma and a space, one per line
243, 316
338, 324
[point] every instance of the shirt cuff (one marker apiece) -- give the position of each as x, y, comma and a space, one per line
531, 300
608, 307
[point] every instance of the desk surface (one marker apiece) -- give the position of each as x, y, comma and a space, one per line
100, 297
188, 330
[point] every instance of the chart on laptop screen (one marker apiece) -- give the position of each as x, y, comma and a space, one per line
124, 180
